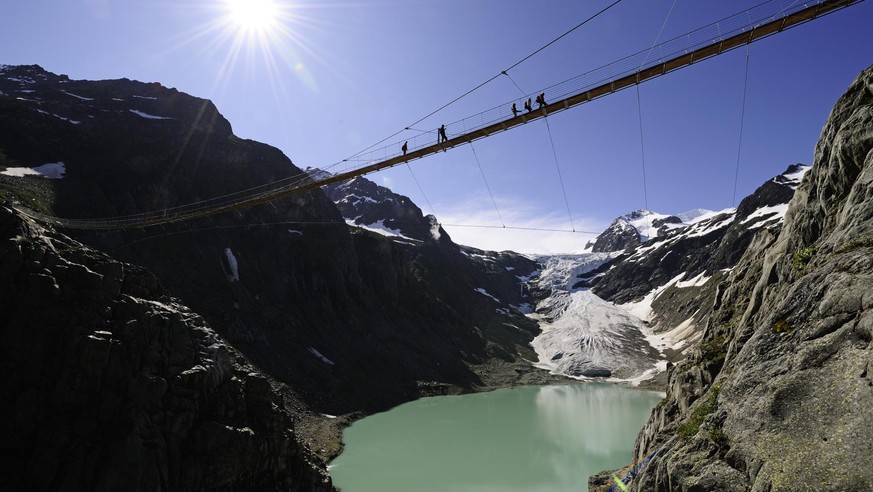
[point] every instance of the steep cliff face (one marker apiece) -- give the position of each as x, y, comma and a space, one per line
110, 384
778, 395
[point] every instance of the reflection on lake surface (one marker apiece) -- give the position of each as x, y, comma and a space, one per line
534, 438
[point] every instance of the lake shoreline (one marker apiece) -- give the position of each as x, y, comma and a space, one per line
323, 433
530, 437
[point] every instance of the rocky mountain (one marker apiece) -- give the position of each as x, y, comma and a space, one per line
777, 394
706, 248
633, 229
111, 384
627, 313
363, 203
346, 320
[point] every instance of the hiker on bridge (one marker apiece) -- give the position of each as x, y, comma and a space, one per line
527, 106
514, 110
441, 136
405, 147
541, 100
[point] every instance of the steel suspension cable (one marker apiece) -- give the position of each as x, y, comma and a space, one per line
560, 177
519, 228
611, 77
661, 31
474, 89
487, 186
742, 123
642, 151
515, 84
639, 104
432, 210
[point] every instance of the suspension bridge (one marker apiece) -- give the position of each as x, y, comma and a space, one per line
738, 30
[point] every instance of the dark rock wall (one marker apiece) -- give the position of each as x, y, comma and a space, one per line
109, 384
778, 395
391, 317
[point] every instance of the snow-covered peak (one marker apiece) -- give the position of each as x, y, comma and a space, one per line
647, 223
792, 176
633, 229
317, 174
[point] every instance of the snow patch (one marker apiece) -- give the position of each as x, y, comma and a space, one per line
778, 212
379, 227
643, 309
318, 354
434, 228
81, 98
21, 81
59, 117
793, 179
295, 232
697, 281
484, 293
703, 228
148, 116
146, 97
233, 276
51, 171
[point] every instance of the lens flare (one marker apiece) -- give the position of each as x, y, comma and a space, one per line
257, 15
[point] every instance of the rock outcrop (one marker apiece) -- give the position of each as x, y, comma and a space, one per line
110, 384
363, 202
778, 395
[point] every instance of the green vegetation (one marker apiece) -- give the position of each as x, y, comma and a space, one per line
689, 429
714, 351
861, 242
782, 326
802, 257
29, 192
718, 437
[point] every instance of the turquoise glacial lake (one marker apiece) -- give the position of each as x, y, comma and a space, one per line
531, 439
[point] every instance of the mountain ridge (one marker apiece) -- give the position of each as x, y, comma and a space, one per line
781, 372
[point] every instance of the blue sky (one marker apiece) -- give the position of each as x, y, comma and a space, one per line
326, 79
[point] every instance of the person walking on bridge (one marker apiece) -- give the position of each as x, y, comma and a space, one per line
541, 100
514, 110
441, 136
527, 105
405, 147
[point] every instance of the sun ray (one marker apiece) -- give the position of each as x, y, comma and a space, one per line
253, 15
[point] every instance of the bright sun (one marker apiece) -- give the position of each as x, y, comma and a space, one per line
255, 15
